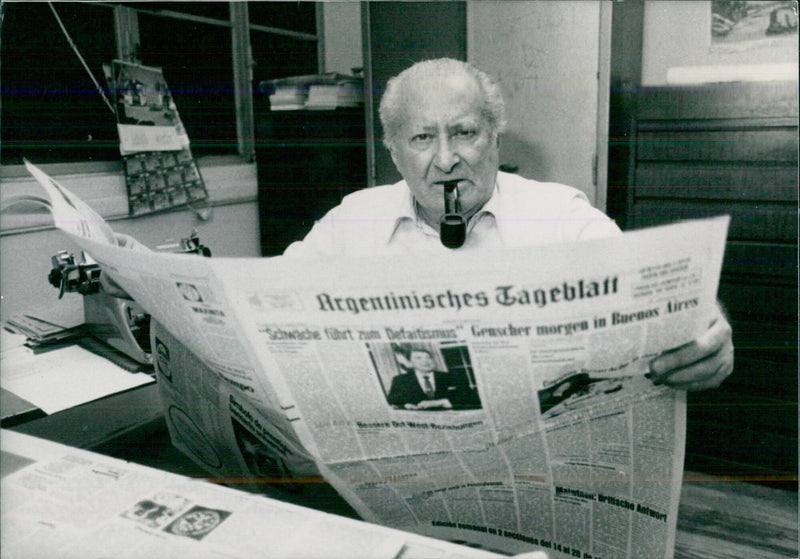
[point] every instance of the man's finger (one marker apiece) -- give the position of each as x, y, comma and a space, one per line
712, 341
709, 373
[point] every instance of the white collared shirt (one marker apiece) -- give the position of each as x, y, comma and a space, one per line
521, 212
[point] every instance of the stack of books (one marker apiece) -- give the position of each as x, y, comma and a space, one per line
346, 93
288, 98
317, 92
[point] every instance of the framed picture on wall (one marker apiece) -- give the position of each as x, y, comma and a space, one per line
746, 24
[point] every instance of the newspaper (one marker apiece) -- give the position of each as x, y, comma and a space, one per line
542, 432
62, 502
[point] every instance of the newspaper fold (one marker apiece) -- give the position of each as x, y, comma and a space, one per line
542, 431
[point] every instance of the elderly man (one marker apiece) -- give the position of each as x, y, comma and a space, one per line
442, 121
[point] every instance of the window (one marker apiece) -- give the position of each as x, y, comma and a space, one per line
52, 112
287, 50
196, 61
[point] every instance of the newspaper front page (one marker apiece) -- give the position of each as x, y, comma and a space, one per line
496, 399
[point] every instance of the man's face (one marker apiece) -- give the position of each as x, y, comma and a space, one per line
421, 361
444, 137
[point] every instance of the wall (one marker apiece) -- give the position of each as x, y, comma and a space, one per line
678, 34
232, 229
342, 36
546, 57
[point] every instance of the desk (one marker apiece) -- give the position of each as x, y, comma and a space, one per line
721, 519
717, 518
90, 424
77, 386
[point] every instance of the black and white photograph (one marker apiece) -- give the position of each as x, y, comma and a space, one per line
426, 376
197, 523
405, 202
157, 511
579, 391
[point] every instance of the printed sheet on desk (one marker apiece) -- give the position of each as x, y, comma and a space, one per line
64, 376
542, 431
69, 503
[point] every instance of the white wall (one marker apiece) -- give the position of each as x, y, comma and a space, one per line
678, 34
342, 36
546, 57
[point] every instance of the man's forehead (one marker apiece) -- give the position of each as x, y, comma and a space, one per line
454, 85
435, 99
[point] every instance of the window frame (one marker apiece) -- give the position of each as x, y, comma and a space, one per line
126, 31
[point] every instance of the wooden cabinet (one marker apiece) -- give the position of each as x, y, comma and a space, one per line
733, 149
307, 162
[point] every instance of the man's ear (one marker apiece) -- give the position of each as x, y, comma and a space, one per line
394, 157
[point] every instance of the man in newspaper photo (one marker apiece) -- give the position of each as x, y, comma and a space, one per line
423, 388
442, 122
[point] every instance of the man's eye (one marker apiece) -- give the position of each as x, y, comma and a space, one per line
422, 138
468, 133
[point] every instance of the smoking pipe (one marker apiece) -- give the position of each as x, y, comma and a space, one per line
452, 225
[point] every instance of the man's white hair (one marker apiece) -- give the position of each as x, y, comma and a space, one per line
393, 104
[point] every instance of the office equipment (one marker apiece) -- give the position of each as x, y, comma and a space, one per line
187, 245
110, 314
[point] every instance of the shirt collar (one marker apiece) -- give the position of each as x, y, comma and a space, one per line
405, 210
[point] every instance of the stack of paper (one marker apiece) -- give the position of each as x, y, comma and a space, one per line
63, 376
288, 98
316, 91
351, 93
323, 97
330, 96
46, 325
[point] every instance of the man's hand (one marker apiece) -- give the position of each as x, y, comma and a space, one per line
440, 404
698, 365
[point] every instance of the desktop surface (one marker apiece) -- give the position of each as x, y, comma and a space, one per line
718, 517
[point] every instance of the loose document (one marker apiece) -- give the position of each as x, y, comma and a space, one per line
543, 431
67, 503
